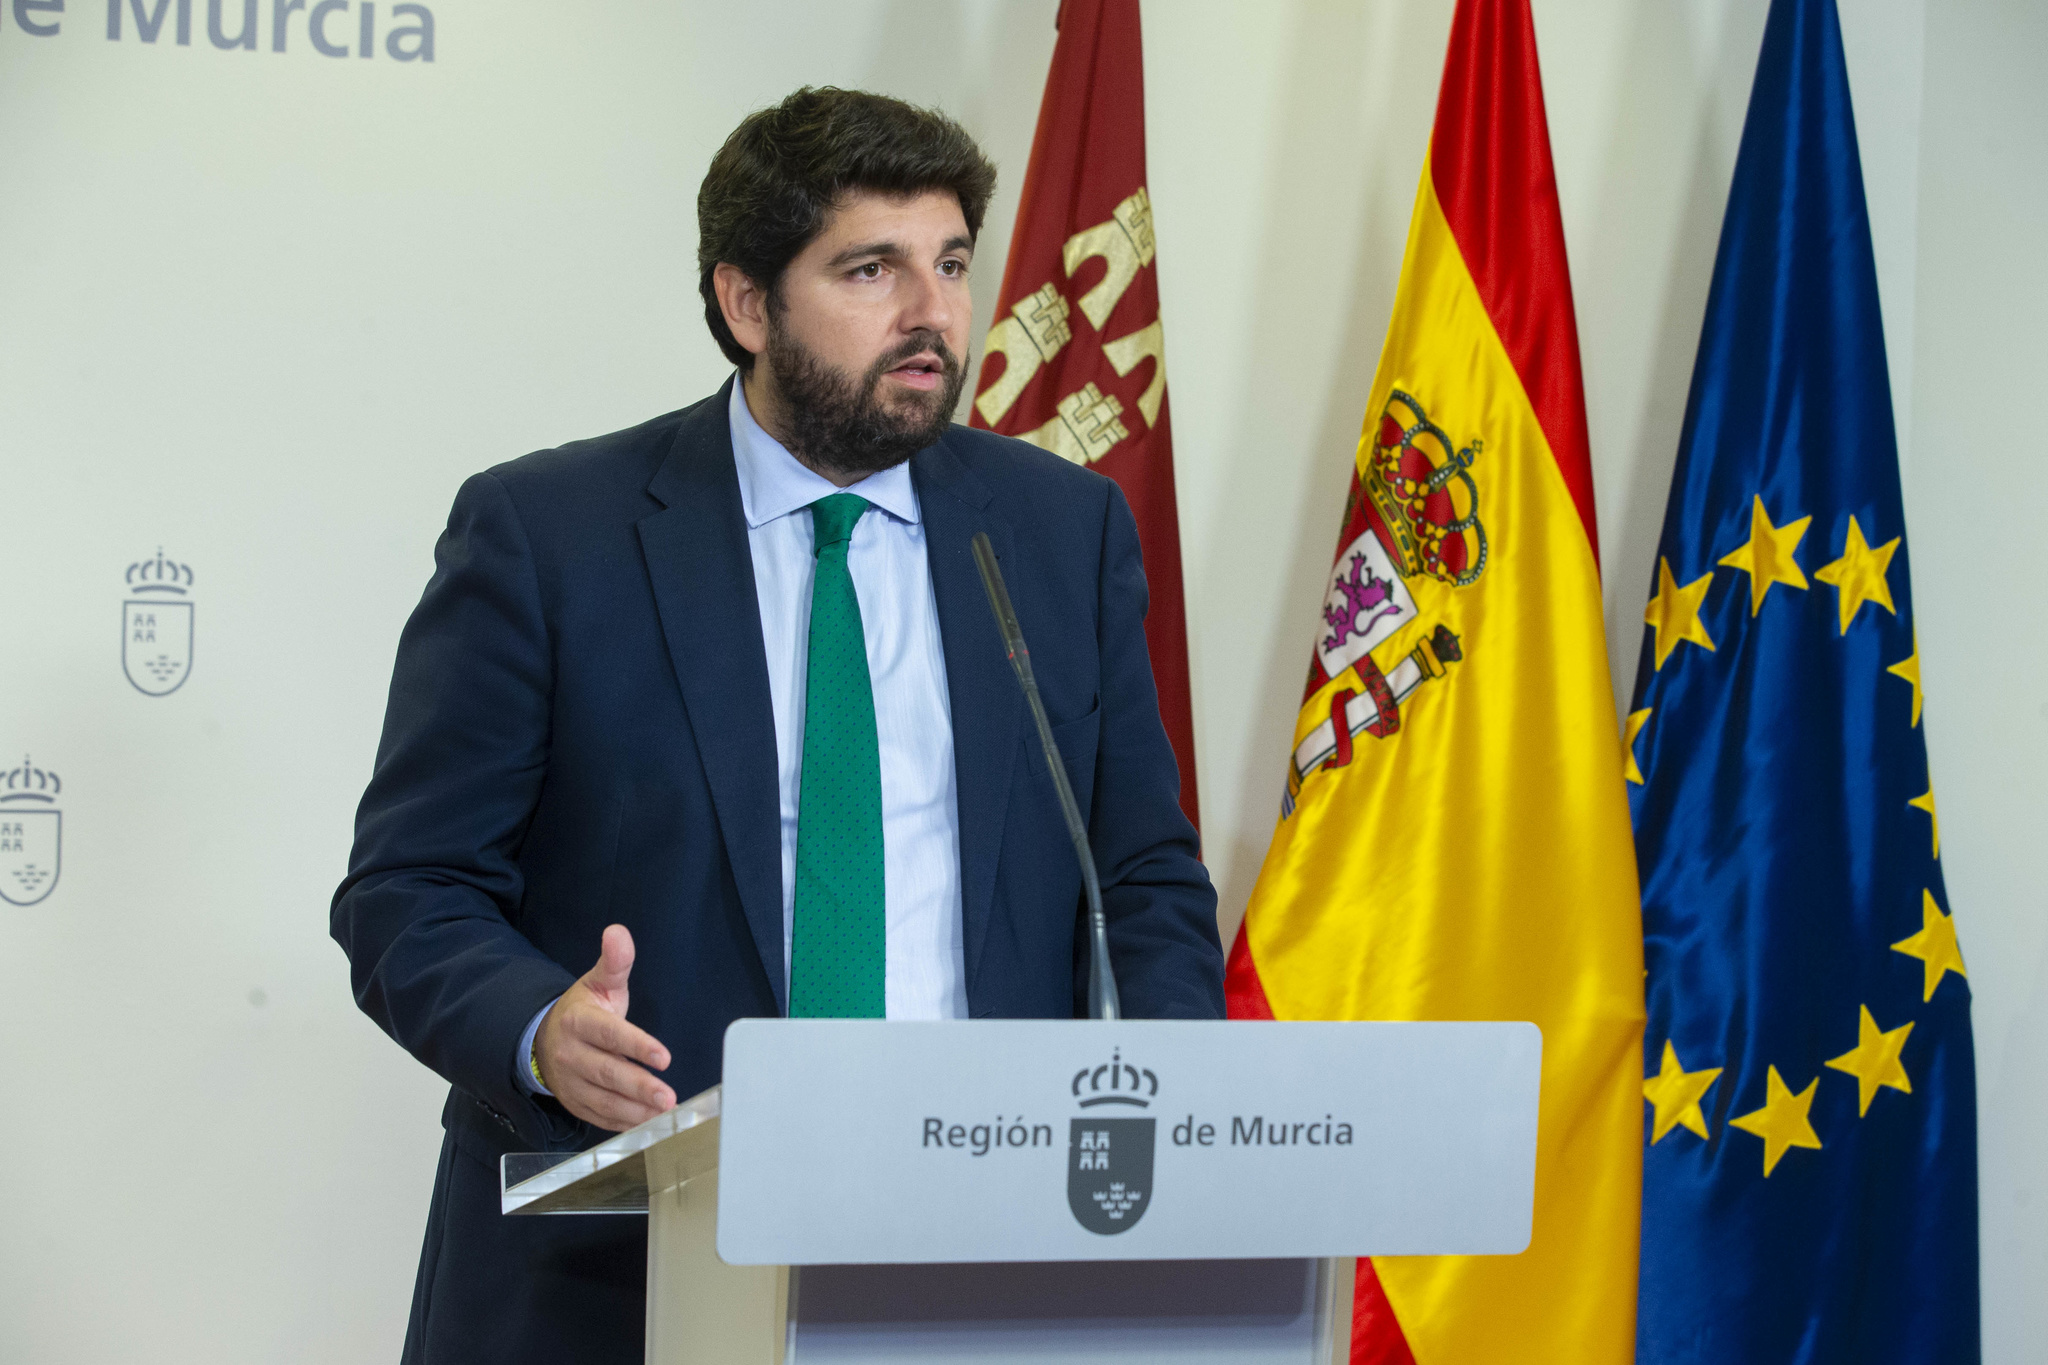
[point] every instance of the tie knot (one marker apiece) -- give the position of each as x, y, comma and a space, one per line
832, 518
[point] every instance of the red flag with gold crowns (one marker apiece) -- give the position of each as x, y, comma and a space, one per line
1076, 362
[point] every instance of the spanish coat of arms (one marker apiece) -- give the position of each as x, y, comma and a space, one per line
1413, 518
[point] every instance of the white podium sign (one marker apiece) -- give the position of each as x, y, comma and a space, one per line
868, 1142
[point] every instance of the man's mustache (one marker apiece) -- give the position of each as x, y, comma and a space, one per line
913, 346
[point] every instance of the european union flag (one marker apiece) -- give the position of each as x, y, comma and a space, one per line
1810, 1186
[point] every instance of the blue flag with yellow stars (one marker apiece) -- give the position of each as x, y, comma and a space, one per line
1810, 1184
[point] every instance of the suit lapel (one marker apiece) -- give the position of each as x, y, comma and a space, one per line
988, 709
703, 574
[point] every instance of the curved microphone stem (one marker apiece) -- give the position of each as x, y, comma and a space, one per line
1102, 997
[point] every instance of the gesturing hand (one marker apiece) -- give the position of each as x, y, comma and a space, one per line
594, 1061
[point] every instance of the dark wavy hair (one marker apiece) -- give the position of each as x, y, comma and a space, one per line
783, 169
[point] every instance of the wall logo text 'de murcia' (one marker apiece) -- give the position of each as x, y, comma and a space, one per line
156, 625
331, 28
31, 833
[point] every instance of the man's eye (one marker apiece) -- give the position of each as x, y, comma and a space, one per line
871, 271
953, 268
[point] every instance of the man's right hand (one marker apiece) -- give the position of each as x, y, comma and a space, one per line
591, 1058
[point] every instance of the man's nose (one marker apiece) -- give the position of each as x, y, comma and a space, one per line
927, 305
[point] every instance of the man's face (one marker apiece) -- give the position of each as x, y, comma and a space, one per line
867, 332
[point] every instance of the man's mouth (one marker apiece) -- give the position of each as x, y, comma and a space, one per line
923, 371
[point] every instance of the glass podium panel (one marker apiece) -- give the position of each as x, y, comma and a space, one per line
608, 1178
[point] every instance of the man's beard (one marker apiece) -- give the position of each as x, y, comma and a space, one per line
840, 425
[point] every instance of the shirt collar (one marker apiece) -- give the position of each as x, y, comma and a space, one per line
773, 483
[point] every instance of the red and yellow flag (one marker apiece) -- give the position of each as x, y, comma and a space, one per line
1082, 368
1455, 839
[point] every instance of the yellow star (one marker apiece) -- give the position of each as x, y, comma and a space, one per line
1875, 1061
1636, 721
1675, 1094
1934, 945
1909, 669
1675, 612
1767, 558
1782, 1122
1925, 802
1859, 574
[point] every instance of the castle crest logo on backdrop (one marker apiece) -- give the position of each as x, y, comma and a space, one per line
1109, 1155
156, 626
31, 833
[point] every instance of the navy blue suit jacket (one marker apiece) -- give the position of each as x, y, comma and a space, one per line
579, 734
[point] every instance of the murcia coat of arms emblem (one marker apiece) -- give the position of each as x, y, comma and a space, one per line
156, 626
31, 834
1109, 1153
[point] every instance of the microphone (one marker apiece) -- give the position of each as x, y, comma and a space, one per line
1102, 997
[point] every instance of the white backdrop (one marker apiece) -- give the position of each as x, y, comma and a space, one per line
264, 310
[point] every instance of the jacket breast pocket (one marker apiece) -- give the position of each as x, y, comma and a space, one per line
1076, 740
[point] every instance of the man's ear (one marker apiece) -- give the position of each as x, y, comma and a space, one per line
745, 305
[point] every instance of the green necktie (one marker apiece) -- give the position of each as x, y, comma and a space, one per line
836, 958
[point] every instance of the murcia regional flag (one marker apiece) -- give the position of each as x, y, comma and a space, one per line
1454, 841
1082, 368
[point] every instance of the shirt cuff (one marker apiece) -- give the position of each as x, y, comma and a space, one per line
522, 1060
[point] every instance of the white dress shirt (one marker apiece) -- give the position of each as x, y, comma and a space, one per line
926, 973
924, 949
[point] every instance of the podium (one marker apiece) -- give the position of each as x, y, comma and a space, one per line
1004, 1192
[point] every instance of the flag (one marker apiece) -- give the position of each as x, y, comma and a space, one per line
1454, 840
1082, 368
1809, 1187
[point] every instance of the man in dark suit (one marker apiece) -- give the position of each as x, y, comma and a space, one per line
718, 700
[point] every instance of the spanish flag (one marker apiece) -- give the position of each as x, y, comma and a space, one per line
1454, 841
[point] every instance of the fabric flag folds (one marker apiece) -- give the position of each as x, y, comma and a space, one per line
1809, 1190
1076, 360
1454, 840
